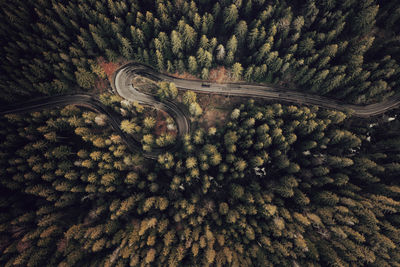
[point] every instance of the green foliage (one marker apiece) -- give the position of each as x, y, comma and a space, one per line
195, 109
320, 47
274, 175
237, 71
128, 126
84, 78
275, 186
189, 97
167, 90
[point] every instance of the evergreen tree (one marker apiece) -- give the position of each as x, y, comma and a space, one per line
192, 64
237, 70
230, 16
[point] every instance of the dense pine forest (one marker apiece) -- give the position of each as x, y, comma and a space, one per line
278, 185
343, 49
272, 184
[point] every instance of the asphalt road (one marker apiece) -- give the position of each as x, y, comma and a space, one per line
122, 85
256, 91
85, 100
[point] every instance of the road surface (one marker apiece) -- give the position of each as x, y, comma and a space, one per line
127, 72
122, 85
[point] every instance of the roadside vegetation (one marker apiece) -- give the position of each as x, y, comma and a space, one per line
341, 49
254, 183
277, 185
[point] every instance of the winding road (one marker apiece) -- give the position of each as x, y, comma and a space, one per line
127, 72
88, 101
122, 85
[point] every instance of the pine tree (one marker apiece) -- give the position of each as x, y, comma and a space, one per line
192, 65
195, 109
176, 42
204, 74
189, 97
160, 60
306, 46
241, 31
230, 16
220, 53
363, 21
101, 44
229, 59
149, 122
128, 126
126, 47
232, 44
189, 36
237, 70
84, 78
167, 90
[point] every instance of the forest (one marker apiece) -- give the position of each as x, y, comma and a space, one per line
278, 185
274, 184
346, 49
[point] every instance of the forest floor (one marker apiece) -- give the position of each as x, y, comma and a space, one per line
109, 67
162, 123
145, 85
101, 87
218, 75
216, 109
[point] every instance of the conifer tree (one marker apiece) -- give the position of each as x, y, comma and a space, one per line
230, 16
237, 70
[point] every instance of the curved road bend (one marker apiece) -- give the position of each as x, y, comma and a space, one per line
122, 84
251, 90
90, 102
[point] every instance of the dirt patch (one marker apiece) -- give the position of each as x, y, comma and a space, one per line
101, 86
108, 67
184, 75
220, 75
213, 118
162, 124
216, 109
105, 74
145, 85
